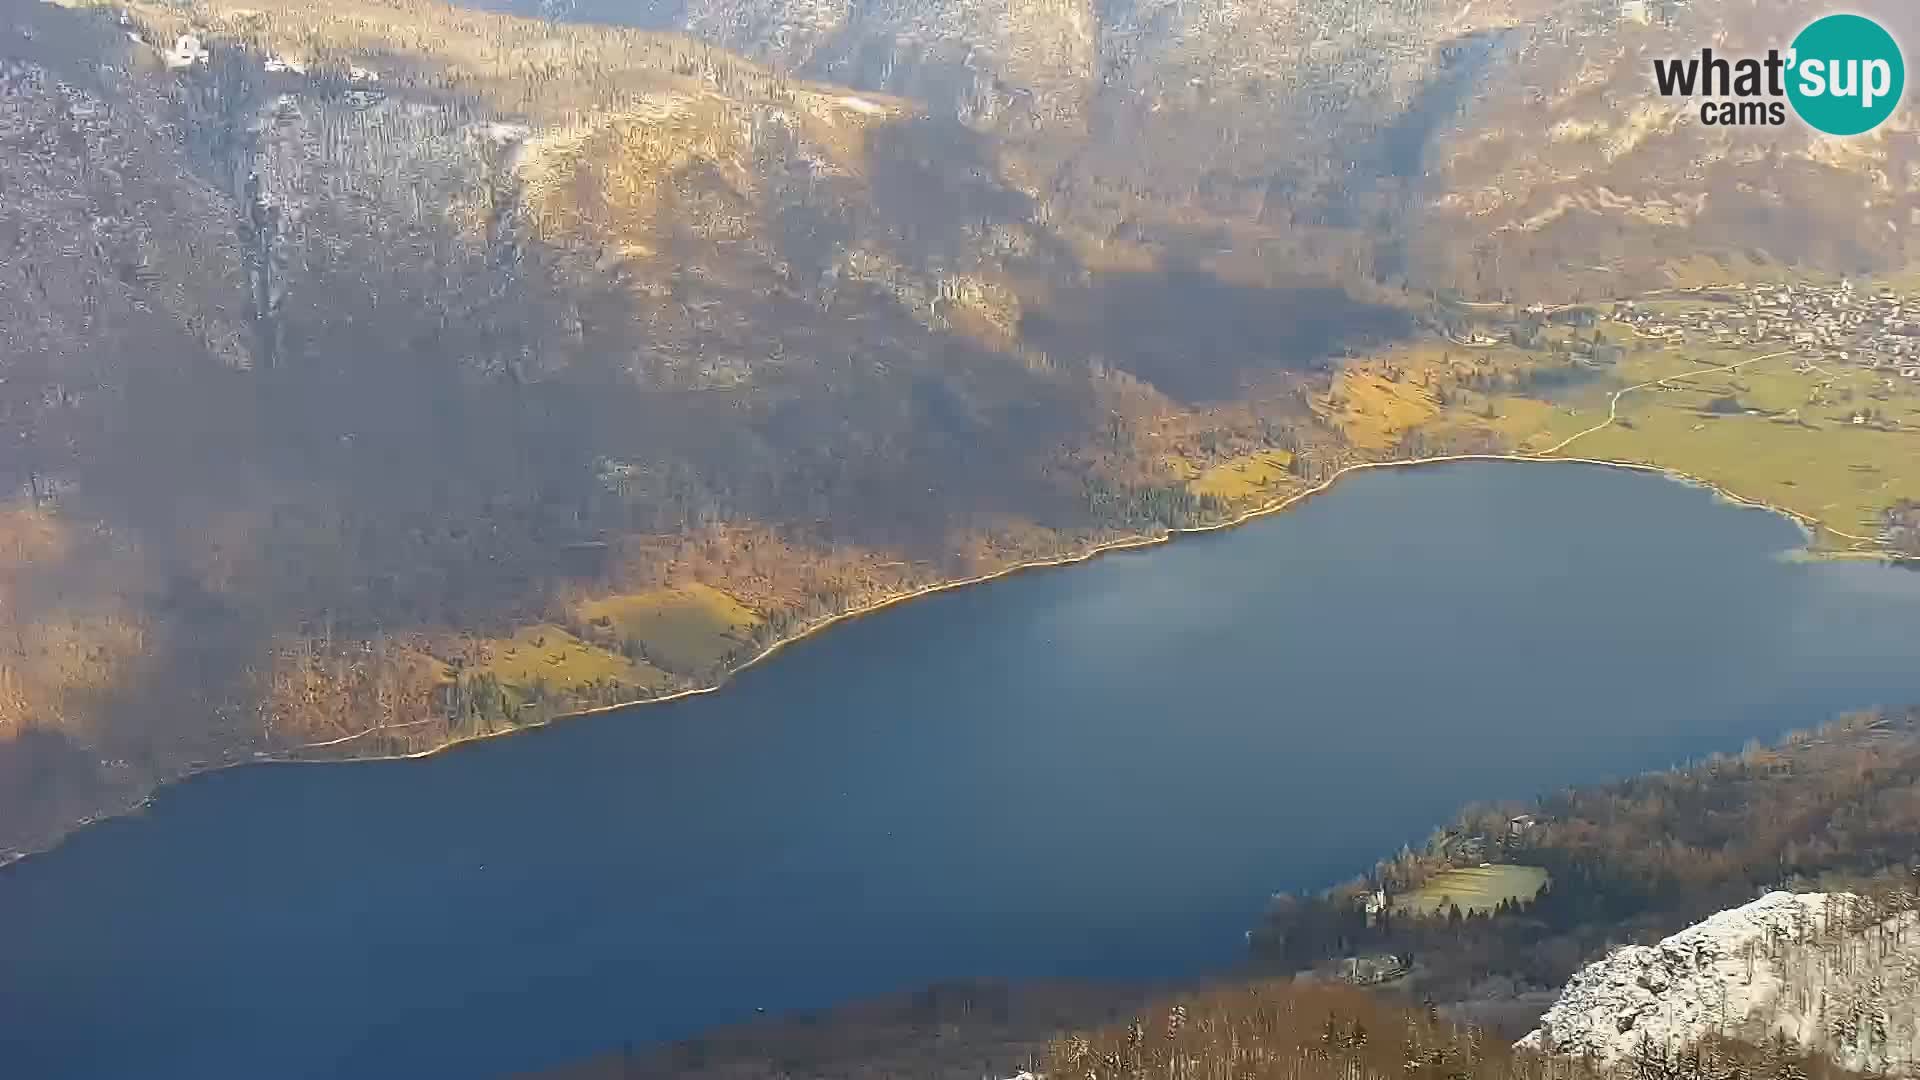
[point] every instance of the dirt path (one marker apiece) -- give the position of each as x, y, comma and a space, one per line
1613, 416
1613, 403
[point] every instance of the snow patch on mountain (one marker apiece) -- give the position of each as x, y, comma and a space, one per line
1829, 971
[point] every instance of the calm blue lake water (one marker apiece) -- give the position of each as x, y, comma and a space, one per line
1094, 772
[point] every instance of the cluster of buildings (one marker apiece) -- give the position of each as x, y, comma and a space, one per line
188, 51
1837, 323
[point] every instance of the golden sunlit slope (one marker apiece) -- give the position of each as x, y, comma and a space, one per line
353, 348
348, 344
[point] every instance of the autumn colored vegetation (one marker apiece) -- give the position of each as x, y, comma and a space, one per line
1295, 1031
1254, 1030
402, 332
1633, 861
1835, 809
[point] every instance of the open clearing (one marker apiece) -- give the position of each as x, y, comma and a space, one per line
1779, 431
689, 629
1472, 888
548, 653
1261, 473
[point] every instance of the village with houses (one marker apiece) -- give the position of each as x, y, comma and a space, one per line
1877, 328
1872, 327
1747, 385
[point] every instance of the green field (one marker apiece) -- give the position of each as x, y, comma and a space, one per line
1787, 438
1827, 439
689, 629
1260, 473
1471, 889
549, 654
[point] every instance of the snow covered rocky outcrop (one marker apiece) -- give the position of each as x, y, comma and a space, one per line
1826, 970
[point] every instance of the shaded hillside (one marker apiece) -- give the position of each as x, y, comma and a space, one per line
1632, 861
357, 354
365, 362
952, 1031
1260, 1030
1282, 1031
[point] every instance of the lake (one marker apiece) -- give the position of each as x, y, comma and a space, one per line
1095, 772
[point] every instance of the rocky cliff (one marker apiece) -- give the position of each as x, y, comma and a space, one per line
1830, 972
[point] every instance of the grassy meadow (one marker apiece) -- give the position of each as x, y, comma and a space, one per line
1263, 473
549, 653
689, 629
1779, 431
1472, 889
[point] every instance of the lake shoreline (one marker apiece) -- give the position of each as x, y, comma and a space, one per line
1809, 527
839, 827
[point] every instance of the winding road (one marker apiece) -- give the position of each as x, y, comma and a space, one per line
1613, 403
1613, 416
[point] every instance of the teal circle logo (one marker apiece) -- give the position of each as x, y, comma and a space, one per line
1847, 74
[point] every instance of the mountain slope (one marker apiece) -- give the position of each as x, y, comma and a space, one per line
386, 373
349, 344
1826, 971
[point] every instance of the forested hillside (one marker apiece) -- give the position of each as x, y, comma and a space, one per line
1788, 980
1512, 146
385, 373
1285, 1031
1831, 809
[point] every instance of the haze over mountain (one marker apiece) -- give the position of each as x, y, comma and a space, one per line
1517, 130
345, 343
